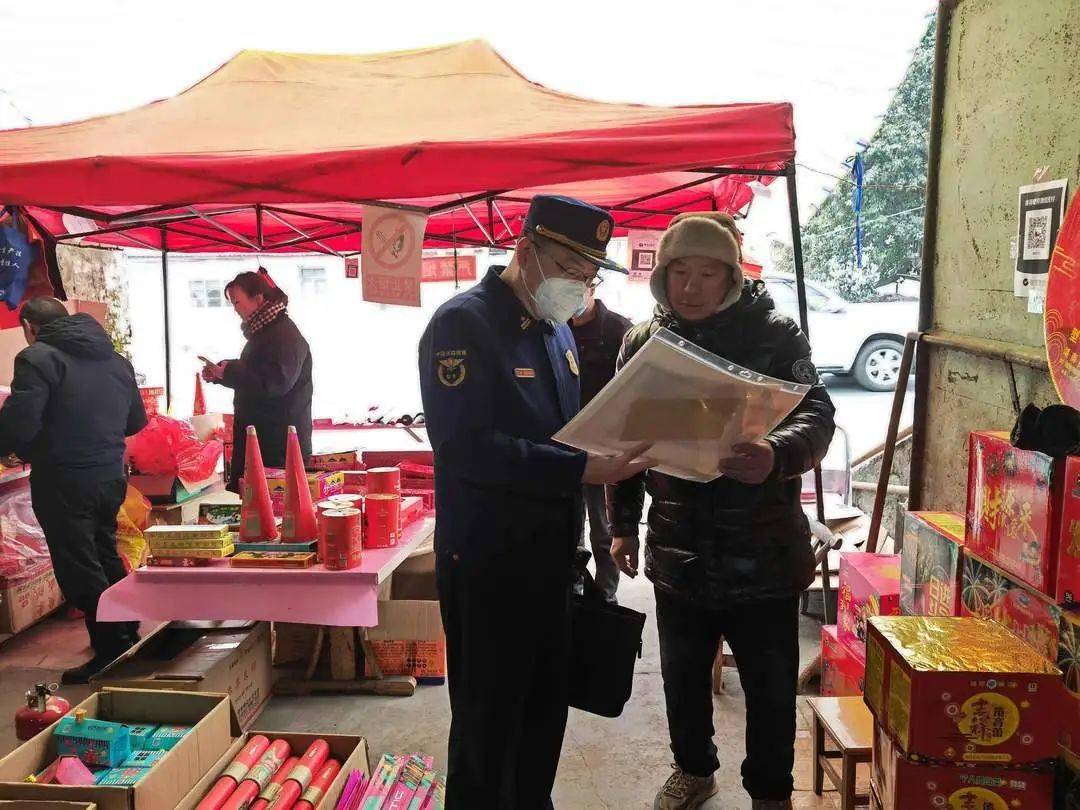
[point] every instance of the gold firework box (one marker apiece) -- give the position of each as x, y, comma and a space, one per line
199, 536
273, 559
193, 553
930, 564
962, 690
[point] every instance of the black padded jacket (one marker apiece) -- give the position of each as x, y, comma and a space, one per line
722, 543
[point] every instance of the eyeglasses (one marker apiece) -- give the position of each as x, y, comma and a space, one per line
590, 283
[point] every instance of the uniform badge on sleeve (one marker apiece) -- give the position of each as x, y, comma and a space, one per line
451, 368
805, 372
572, 362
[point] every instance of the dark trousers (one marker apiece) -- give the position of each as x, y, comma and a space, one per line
764, 638
507, 640
595, 508
79, 521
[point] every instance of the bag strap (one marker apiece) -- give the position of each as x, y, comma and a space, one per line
590, 590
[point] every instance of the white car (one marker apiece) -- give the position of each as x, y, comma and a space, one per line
864, 340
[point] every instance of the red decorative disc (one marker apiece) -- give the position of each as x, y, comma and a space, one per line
1062, 318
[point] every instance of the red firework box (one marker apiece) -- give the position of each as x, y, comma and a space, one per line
955, 690
322, 485
930, 564
1051, 630
1023, 514
900, 784
151, 397
355, 481
332, 462
869, 586
842, 669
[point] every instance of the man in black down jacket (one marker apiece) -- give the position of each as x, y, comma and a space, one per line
73, 401
728, 558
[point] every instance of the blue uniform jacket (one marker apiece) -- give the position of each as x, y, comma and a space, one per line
497, 385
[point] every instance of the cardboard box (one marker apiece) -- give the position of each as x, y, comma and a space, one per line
1067, 792
1053, 631
1023, 514
26, 601
214, 726
322, 484
842, 670
409, 638
930, 564
901, 784
350, 751
230, 660
331, 462
869, 586
961, 690
22, 804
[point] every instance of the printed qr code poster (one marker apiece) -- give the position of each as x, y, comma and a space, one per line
1041, 208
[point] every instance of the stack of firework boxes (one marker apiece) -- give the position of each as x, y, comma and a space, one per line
1015, 560
869, 586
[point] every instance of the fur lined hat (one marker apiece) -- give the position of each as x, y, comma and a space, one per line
699, 233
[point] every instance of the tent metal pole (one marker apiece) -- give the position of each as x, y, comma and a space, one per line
804, 323
165, 309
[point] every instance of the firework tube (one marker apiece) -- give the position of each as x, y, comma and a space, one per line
235, 773
319, 785
271, 791
259, 776
381, 782
384, 481
300, 776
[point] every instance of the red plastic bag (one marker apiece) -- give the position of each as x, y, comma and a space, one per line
170, 447
23, 553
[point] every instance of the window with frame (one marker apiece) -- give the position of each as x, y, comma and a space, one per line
312, 281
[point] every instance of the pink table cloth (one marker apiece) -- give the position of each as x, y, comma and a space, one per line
302, 596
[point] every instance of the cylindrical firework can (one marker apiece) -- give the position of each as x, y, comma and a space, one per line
339, 538
382, 520
347, 501
384, 481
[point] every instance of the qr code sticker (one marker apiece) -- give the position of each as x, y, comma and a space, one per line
1037, 234
645, 260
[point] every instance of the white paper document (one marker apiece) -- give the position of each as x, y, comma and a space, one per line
691, 405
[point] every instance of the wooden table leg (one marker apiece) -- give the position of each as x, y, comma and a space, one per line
848, 773
818, 751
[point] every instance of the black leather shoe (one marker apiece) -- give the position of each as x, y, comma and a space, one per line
83, 674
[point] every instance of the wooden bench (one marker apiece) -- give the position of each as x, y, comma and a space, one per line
849, 727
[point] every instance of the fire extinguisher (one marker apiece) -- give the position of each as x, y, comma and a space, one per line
42, 709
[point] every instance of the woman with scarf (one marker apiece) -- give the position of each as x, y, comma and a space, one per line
272, 377
729, 558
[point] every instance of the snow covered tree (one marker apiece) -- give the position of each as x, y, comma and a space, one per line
894, 195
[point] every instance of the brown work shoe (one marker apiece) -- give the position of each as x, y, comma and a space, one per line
771, 804
684, 791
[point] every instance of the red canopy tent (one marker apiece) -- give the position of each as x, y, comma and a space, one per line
277, 152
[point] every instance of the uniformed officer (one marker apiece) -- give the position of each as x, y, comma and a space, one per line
499, 377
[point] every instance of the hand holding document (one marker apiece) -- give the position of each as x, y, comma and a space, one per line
691, 407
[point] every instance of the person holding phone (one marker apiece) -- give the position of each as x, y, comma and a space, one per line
271, 379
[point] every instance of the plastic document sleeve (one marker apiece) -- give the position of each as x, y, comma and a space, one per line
692, 406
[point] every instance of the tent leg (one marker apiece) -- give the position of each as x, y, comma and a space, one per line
165, 310
800, 285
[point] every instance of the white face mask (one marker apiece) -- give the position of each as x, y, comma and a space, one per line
558, 299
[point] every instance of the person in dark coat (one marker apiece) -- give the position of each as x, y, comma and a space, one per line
272, 377
728, 559
598, 333
499, 378
73, 402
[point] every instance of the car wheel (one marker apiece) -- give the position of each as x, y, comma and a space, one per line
877, 367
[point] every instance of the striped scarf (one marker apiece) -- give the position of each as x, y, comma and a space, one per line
262, 318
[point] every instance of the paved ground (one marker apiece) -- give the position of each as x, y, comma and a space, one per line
605, 764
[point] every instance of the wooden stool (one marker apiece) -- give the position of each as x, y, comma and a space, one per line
848, 725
